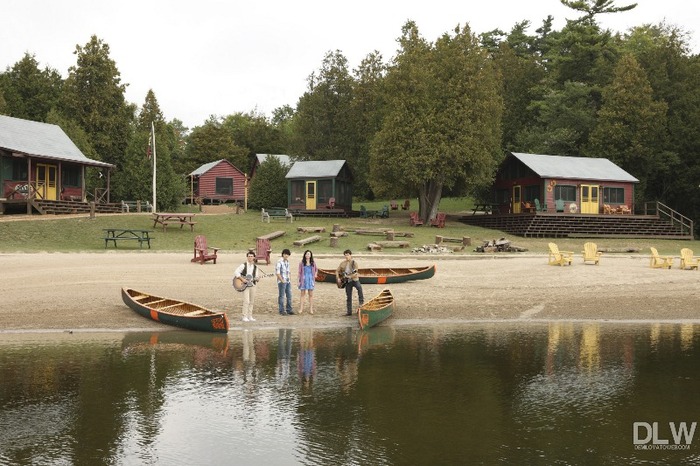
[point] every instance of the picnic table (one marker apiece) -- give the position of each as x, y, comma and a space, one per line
486, 208
127, 234
165, 219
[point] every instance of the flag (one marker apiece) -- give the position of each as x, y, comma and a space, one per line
149, 150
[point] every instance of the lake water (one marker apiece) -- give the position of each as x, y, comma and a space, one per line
559, 393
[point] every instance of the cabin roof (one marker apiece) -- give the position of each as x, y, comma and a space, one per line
208, 166
284, 159
316, 169
586, 168
39, 139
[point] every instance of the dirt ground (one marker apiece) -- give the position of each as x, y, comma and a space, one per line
81, 291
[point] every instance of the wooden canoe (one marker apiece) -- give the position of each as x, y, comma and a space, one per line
380, 276
174, 312
376, 309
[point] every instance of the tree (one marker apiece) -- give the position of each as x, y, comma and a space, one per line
591, 8
442, 122
30, 93
269, 186
631, 129
210, 142
254, 132
93, 95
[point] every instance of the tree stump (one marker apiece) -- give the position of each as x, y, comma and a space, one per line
334, 241
390, 235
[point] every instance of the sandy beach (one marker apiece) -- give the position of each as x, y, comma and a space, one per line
81, 291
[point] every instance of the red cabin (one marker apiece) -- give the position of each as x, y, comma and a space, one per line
216, 183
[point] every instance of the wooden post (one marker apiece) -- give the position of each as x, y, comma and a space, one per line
467, 241
334, 241
336, 227
390, 235
438, 239
92, 210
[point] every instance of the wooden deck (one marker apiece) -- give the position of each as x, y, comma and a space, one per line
562, 225
42, 206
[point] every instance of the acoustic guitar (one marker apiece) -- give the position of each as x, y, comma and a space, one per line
240, 285
343, 281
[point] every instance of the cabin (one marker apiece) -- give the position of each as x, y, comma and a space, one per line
575, 185
319, 186
217, 183
40, 164
258, 159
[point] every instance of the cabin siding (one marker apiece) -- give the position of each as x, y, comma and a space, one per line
207, 182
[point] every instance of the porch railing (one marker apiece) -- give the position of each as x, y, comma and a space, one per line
661, 210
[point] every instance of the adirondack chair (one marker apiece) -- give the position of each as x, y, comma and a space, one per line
262, 250
590, 253
559, 204
202, 252
557, 257
363, 212
415, 219
331, 203
384, 213
394, 205
540, 207
659, 262
688, 260
406, 204
439, 220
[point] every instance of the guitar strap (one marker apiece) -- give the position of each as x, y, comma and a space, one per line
245, 269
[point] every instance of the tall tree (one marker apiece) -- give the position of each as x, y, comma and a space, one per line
442, 123
30, 93
591, 8
210, 142
93, 95
322, 128
631, 129
269, 186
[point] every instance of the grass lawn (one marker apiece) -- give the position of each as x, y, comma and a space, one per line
237, 232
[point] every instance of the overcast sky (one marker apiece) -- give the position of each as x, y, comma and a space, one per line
218, 57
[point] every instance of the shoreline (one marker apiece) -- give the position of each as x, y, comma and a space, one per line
80, 292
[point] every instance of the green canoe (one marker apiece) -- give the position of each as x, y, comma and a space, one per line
376, 310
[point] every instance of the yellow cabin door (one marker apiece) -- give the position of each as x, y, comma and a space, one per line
45, 182
589, 199
310, 195
516, 200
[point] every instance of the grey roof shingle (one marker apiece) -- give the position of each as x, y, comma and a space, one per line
316, 169
41, 140
584, 168
284, 159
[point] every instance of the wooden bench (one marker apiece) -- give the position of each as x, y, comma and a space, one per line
124, 234
310, 239
276, 212
136, 206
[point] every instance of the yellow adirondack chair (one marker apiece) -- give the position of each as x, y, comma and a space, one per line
557, 257
659, 262
688, 260
590, 253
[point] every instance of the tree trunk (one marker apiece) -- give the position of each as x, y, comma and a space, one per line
429, 197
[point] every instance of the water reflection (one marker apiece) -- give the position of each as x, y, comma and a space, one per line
561, 392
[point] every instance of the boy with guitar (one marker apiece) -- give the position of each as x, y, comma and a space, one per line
347, 277
247, 273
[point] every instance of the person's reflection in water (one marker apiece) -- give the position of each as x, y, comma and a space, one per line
284, 355
306, 363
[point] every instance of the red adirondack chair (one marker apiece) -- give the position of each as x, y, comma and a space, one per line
439, 220
415, 219
394, 205
201, 251
262, 250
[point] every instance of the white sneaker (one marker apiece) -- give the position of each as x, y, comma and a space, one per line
251, 319
245, 319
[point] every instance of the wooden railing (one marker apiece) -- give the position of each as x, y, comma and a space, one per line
661, 210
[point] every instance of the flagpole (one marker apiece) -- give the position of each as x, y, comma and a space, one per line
153, 139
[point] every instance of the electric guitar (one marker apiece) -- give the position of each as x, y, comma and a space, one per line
240, 285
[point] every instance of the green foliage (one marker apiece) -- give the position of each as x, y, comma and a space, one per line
210, 142
442, 120
269, 187
30, 93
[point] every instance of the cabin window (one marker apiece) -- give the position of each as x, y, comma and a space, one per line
325, 191
19, 170
530, 193
614, 195
224, 186
298, 191
565, 192
70, 177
